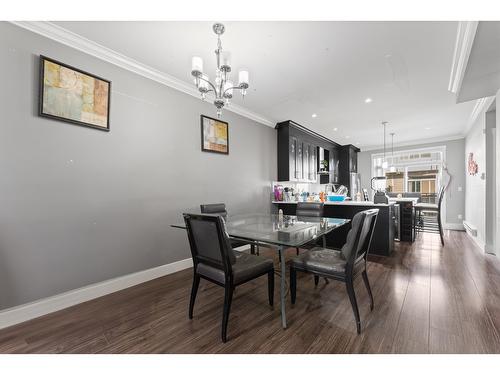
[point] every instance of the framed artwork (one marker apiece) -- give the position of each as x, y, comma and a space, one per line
72, 95
214, 135
472, 166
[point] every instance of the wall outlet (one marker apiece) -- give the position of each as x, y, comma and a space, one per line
459, 188
460, 216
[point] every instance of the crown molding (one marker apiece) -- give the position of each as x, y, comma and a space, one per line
481, 106
418, 142
78, 42
466, 32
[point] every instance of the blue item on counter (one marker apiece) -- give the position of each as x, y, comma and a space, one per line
336, 198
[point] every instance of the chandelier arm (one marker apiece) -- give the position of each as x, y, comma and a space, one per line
210, 83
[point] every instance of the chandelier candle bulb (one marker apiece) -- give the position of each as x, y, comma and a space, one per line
196, 65
243, 78
225, 64
228, 89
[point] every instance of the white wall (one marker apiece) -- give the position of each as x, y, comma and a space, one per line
475, 185
490, 197
497, 250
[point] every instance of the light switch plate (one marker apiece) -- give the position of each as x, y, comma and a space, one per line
459, 188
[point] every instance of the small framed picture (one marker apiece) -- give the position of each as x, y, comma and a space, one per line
72, 95
214, 135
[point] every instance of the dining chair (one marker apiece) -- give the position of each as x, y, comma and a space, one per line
343, 265
308, 210
428, 216
220, 209
215, 260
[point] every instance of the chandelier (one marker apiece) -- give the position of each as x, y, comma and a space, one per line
222, 87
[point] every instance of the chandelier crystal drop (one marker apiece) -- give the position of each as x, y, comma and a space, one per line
222, 86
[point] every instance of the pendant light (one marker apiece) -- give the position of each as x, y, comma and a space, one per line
384, 162
393, 168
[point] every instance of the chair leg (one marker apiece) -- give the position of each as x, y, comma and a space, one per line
352, 297
228, 297
258, 250
297, 251
440, 228
293, 284
316, 280
252, 249
194, 290
368, 288
270, 286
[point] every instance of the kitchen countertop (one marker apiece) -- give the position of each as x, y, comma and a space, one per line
345, 203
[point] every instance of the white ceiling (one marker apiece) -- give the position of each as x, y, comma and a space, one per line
482, 75
327, 68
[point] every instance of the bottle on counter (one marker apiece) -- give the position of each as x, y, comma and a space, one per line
280, 217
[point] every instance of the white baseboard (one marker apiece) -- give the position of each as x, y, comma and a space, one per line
453, 226
22, 313
490, 249
477, 241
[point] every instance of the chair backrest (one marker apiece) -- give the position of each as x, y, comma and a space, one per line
367, 233
440, 196
214, 209
309, 209
359, 237
209, 241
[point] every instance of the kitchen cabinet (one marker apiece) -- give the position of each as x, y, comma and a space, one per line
348, 163
299, 156
292, 160
313, 164
334, 166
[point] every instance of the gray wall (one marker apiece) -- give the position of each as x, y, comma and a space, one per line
79, 206
455, 151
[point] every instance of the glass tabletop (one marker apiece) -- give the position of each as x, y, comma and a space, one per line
293, 231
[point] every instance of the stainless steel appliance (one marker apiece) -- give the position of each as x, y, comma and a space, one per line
379, 196
355, 183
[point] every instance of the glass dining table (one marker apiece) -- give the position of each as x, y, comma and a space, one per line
271, 231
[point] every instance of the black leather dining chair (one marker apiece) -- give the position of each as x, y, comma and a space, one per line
307, 210
215, 260
220, 209
344, 265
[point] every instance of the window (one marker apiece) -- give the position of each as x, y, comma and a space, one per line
412, 171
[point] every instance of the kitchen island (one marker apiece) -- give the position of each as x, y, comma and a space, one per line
383, 236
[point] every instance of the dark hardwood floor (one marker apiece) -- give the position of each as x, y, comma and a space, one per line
428, 299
